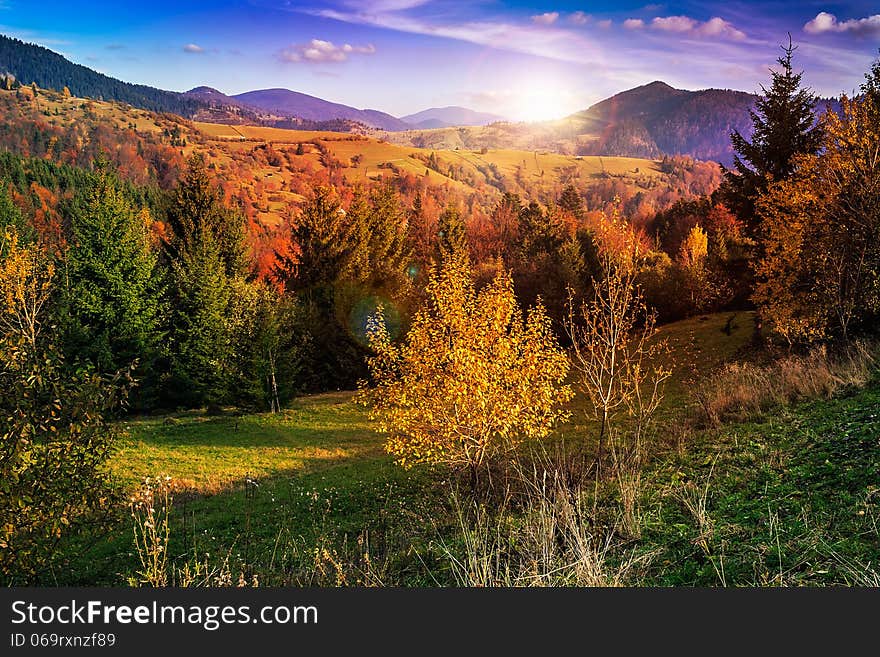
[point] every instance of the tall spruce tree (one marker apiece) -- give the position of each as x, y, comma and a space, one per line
871, 88
197, 206
378, 252
451, 235
315, 279
113, 299
784, 126
209, 264
11, 216
321, 234
570, 201
202, 335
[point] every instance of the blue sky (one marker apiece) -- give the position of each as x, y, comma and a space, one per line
525, 60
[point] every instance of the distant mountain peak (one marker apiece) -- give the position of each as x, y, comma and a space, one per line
452, 115
203, 90
298, 104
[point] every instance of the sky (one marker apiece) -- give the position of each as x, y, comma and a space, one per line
530, 60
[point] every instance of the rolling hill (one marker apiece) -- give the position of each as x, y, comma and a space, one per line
447, 117
294, 103
29, 63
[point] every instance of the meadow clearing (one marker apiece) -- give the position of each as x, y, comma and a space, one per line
307, 496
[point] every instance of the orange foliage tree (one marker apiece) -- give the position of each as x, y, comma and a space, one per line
821, 272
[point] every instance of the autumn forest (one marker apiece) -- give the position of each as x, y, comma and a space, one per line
241, 348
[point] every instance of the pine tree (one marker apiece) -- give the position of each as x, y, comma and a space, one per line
322, 237
316, 278
202, 335
451, 235
11, 217
570, 201
209, 266
197, 207
387, 243
871, 88
112, 307
784, 126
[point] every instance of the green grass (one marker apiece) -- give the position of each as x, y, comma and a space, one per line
791, 500
794, 500
207, 454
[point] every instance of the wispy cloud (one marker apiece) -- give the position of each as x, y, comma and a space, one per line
825, 22
193, 49
318, 51
633, 24
579, 18
546, 19
115, 46
534, 38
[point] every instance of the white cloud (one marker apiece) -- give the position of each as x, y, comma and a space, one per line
579, 18
546, 19
318, 51
720, 27
825, 22
714, 27
193, 49
633, 23
674, 23
379, 6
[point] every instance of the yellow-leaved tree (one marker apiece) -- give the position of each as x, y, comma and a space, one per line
474, 378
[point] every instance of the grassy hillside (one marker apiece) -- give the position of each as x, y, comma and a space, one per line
271, 171
29, 63
308, 496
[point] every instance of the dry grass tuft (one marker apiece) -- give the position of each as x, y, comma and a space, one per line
745, 391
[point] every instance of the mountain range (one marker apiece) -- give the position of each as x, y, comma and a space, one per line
656, 119
294, 103
448, 117
647, 121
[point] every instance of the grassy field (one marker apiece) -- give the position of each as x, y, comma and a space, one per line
793, 500
324, 432
308, 497
320, 471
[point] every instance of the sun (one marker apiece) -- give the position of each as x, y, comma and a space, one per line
542, 102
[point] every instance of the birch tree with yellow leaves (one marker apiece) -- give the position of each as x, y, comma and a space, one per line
474, 378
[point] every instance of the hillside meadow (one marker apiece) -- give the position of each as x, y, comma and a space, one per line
307, 496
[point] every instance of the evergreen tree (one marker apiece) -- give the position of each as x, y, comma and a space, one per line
871, 88
197, 207
451, 235
112, 306
317, 279
358, 260
784, 126
209, 264
202, 335
538, 232
12, 218
324, 242
570, 201
390, 249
